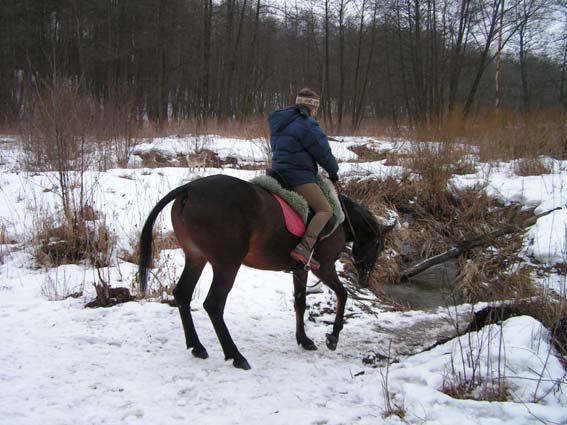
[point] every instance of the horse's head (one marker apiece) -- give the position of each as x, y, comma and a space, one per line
365, 255
368, 238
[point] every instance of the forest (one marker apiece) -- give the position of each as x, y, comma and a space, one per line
397, 62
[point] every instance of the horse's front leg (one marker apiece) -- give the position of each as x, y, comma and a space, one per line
299, 284
328, 276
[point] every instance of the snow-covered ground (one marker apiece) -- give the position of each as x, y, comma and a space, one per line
63, 364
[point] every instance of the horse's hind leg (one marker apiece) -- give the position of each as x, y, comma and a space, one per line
299, 284
183, 293
214, 304
329, 277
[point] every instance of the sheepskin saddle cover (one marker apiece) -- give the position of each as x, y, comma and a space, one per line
299, 204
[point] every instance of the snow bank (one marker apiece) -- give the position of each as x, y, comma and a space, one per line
518, 352
547, 239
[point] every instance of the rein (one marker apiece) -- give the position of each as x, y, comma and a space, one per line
338, 187
339, 191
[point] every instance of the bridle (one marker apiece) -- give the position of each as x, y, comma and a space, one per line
338, 188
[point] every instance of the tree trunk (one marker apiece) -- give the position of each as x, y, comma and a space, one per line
357, 69
341, 99
499, 61
207, 6
403, 72
362, 95
229, 107
524, 73
327, 88
483, 62
251, 77
459, 51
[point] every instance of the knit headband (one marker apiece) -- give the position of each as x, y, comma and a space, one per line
300, 100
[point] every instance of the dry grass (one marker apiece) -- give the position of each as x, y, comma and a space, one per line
436, 164
486, 277
246, 128
161, 241
3, 241
365, 154
549, 309
428, 229
532, 167
485, 390
57, 288
165, 276
504, 136
392, 407
57, 244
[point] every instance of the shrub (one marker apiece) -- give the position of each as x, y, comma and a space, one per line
531, 167
505, 135
69, 243
3, 241
56, 139
486, 273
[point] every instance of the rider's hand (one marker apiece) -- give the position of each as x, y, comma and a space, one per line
334, 178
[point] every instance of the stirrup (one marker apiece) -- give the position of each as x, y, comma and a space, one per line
309, 263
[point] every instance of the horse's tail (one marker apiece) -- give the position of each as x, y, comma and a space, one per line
146, 236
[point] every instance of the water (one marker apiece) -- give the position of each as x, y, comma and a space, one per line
431, 288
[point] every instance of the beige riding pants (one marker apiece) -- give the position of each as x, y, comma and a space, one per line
316, 200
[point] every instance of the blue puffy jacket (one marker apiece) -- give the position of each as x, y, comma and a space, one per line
298, 145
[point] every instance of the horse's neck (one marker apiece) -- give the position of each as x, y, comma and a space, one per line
351, 217
356, 224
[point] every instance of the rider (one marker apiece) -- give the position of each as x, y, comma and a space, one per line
298, 144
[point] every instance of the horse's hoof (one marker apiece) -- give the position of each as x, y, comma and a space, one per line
200, 353
241, 363
308, 345
332, 342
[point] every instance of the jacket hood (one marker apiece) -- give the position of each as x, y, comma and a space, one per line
283, 117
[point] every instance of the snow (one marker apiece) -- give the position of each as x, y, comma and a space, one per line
64, 364
546, 241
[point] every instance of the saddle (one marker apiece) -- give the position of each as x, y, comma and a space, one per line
295, 210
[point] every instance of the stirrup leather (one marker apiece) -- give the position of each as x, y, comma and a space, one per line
304, 252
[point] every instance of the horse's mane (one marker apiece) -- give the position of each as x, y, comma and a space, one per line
366, 216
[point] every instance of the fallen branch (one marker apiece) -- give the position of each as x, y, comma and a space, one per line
465, 246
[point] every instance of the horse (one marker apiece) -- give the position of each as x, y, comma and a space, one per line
227, 222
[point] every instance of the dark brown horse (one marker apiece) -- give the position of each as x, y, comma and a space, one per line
228, 222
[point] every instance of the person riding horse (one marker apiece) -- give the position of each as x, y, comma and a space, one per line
256, 235
298, 146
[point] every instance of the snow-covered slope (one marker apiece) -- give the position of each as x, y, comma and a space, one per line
64, 364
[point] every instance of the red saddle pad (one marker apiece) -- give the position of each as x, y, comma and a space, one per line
293, 221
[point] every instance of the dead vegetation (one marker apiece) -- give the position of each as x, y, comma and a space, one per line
430, 224
532, 167
365, 154
550, 310
3, 241
505, 136
70, 243
480, 389
161, 241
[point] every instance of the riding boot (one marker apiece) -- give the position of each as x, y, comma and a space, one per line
304, 252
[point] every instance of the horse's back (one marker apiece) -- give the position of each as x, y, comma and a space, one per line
229, 220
